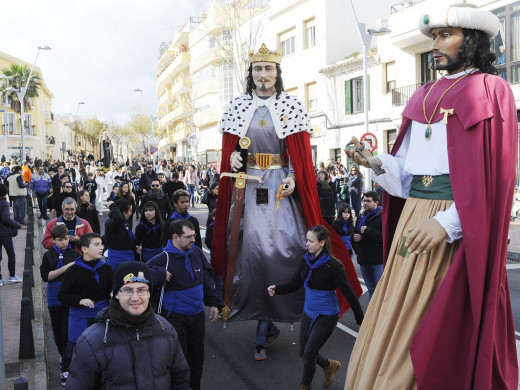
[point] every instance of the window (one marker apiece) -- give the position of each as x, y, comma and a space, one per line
226, 82
506, 44
390, 76
427, 73
312, 96
9, 123
354, 95
27, 124
225, 37
310, 33
211, 41
205, 103
287, 41
204, 74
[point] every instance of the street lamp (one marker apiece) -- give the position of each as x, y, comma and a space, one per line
366, 36
151, 119
21, 96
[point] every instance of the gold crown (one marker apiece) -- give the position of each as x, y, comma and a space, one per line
265, 55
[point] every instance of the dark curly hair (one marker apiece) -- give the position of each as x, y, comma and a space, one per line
475, 52
278, 86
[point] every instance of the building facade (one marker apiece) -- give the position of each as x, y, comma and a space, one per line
38, 121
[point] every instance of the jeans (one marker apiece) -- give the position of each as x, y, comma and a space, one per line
264, 329
371, 274
310, 345
19, 208
42, 204
190, 330
355, 202
7, 243
191, 190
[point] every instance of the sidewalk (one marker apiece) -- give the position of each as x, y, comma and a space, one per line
35, 370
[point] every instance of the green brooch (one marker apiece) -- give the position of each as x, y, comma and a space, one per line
426, 19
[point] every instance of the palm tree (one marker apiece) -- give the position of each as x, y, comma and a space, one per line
19, 75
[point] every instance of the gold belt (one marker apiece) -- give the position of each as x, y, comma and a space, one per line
265, 161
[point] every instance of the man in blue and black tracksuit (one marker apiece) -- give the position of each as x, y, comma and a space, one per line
41, 185
189, 285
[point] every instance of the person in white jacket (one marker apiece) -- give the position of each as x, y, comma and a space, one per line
101, 191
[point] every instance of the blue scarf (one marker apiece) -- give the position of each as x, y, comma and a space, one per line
346, 225
318, 263
148, 229
173, 249
60, 255
177, 215
130, 232
79, 261
365, 217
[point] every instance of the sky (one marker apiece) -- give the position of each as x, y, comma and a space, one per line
101, 49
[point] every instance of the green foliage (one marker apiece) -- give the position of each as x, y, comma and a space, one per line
19, 75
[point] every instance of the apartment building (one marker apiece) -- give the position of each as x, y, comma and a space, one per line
39, 139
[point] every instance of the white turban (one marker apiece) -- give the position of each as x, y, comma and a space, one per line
460, 15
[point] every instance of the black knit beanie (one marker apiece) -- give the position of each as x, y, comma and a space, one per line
129, 272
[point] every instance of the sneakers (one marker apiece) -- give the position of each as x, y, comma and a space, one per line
100, 213
2, 282
330, 372
63, 380
270, 339
15, 279
260, 353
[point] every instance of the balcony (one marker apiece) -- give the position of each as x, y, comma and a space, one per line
207, 117
180, 62
165, 98
401, 95
181, 86
49, 117
179, 112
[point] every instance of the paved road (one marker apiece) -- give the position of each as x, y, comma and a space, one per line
229, 362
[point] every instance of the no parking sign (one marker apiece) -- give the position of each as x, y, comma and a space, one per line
370, 141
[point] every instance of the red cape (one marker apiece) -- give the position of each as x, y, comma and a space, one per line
467, 338
299, 149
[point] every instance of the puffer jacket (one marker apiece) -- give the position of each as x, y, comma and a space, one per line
5, 219
114, 355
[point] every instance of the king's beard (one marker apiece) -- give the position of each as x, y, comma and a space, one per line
450, 65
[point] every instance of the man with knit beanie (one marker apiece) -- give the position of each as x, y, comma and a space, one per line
129, 346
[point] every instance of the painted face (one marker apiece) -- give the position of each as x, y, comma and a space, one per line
134, 304
182, 204
445, 47
314, 246
264, 76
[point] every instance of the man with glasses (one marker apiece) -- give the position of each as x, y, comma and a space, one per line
75, 225
158, 196
154, 348
146, 178
188, 284
58, 198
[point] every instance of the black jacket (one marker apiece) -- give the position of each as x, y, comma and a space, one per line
370, 249
116, 235
327, 199
114, 355
90, 215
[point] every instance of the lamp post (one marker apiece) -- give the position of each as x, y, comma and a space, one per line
21, 96
366, 36
151, 120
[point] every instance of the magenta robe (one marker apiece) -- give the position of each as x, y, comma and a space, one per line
467, 338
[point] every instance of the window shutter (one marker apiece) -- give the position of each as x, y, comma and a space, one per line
348, 97
368, 93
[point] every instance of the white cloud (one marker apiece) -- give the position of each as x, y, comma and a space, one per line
101, 49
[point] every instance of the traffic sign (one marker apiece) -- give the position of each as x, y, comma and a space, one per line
153, 149
370, 142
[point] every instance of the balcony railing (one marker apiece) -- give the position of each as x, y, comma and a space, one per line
401, 95
403, 4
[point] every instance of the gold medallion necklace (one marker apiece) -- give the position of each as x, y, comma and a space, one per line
428, 132
262, 122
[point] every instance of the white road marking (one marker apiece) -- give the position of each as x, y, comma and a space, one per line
346, 329
513, 266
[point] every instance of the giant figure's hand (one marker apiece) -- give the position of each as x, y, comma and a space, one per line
425, 236
292, 185
236, 161
368, 161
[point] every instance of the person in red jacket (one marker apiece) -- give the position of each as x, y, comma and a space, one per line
75, 225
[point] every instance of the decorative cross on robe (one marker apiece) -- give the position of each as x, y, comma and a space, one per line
284, 119
446, 112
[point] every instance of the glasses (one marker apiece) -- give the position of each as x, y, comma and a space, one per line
190, 237
67, 186
155, 185
128, 292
